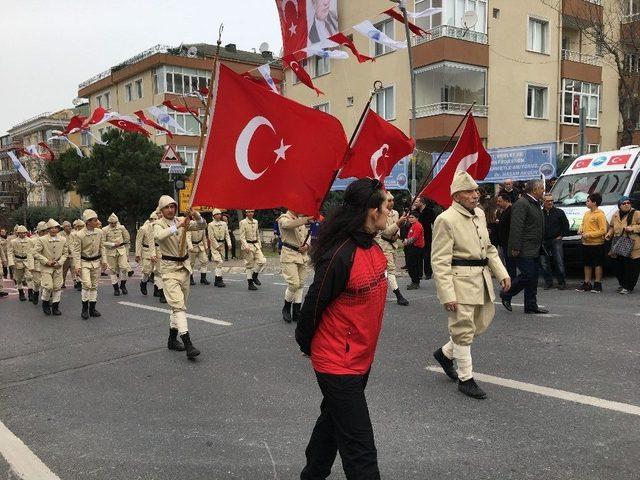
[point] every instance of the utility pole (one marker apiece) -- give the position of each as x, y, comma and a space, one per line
582, 124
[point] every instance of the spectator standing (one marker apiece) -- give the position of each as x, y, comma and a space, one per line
593, 230
428, 210
525, 241
507, 187
626, 222
504, 225
415, 250
556, 226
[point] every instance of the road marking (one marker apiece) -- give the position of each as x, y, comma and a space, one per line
552, 392
22, 460
189, 315
518, 304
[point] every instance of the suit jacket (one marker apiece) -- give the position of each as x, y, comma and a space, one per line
50, 248
458, 233
293, 231
527, 227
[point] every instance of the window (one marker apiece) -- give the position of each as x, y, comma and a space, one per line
570, 151
103, 100
181, 80
385, 27
432, 21
85, 139
138, 84
322, 66
631, 7
188, 155
574, 189
538, 35
442, 84
537, 101
576, 95
631, 63
454, 11
186, 121
323, 107
384, 103
128, 92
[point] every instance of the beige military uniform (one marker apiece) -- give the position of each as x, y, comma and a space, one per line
198, 250
34, 265
68, 264
89, 254
17, 252
175, 269
46, 249
251, 246
388, 241
461, 235
116, 243
294, 264
218, 236
146, 249
4, 243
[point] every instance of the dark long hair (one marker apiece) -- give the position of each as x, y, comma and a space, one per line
349, 217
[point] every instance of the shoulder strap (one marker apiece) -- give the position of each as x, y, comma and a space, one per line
630, 217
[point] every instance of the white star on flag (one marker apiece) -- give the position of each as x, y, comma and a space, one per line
292, 29
280, 152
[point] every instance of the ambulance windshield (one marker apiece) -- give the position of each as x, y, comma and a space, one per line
574, 189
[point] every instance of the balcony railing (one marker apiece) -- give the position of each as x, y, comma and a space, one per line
449, 108
595, 2
630, 17
451, 32
582, 58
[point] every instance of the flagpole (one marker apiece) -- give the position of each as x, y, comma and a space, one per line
203, 127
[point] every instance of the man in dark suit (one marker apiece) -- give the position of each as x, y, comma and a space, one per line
504, 225
429, 210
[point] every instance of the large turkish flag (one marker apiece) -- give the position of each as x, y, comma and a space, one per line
266, 151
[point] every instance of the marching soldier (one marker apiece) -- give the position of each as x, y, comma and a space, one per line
176, 269
387, 239
51, 251
198, 253
251, 246
293, 261
89, 258
3, 252
146, 251
116, 242
34, 265
64, 233
77, 226
218, 231
463, 260
17, 253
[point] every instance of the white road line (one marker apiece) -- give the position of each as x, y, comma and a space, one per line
22, 460
164, 310
517, 304
552, 392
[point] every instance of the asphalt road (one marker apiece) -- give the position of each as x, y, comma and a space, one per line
105, 399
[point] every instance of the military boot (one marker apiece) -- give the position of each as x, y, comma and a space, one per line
191, 280
192, 352
92, 310
163, 299
254, 277
34, 299
173, 343
218, 282
251, 285
400, 299
296, 311
46, 307
143, 288
203, 279
446, 364
85, 310
471, 389
21, 295
55, 309
116, 290
156, 291
123, 287
286, 312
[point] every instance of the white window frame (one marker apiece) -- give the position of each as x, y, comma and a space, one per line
192, 73
139, 93
128, 92
385, 91
323, 107
530, 47
104, 99
545, 101
374, 46
316, 62
452, 15
573, 118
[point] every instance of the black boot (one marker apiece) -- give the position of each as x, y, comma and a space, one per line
203, 279
161, 295
173, 343
219, 283
296, 311
46, 307
401, 300
471, 389
78, 286
123, 287
55, 309
192, 352
254, 277
286, 312
92, 310
85, 310
34, 299
251, 285
30, 294
21, 295
156, 291
130, 274
191, 280
143, 288
152, 277
446, 364
116, 290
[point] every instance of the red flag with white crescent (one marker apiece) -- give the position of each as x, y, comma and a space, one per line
147, 121
129, 126
75, 124
179, 108
293, 24
300, 72
342, 39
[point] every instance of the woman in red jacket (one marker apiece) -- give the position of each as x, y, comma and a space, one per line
338, 328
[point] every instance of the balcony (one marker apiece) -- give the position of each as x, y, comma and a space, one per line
449, 108
585, 12
436, 122
585, 58
581, 66
451, 32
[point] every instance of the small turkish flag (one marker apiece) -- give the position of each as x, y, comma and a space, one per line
619, 159
74, 124
412, 26
266, 151
342, 39
179, 108
147, 121
582, 163
300, 72
48, 154
99, 116
468, 155
377, 148
129, 126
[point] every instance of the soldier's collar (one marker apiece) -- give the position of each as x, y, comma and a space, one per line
463, 210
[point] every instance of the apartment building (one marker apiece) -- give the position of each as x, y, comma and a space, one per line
11, 194
524, 63
166, 73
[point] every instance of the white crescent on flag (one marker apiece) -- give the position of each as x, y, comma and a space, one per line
467, 161
242, 147
377, 155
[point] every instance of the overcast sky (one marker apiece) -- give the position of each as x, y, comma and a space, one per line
50, 46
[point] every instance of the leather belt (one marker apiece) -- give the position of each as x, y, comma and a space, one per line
90, 259
292, 247
460, 262
144, 245
219, 239
252, 241
195, 243
392, 242
175, 259
19, 257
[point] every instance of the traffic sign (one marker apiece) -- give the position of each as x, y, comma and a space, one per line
170, 157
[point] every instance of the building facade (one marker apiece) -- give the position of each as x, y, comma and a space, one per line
12, 194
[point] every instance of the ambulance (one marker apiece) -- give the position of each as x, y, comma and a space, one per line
612, 174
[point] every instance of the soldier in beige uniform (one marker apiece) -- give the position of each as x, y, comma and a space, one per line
176, 269
34, 265
218, 232
198, 252
3, 261
146, 251
251, 246
463, 261
116, 243
89, 258
17, 253
388, 241
293, 261
68, 264
51, 251
77, 226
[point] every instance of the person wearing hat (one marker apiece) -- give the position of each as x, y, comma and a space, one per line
175, 269
251, 246
17, 253
146, 250
3, 252
77, 226
293, 260
89, 258
34, 265
198, 252
116, 243
68, 264
463, 261
388, 241
51, 251
218, 232
626, 223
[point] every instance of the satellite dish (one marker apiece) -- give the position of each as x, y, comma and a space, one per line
192, 52
264, 47
469, 19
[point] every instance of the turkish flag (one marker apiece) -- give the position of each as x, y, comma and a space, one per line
293, 24
99, 116
412, 26
300, 72
48, 154
259, 81
582, 163
266, 151
129, 126
619, 159
147, 121
470, 155
74, 124
342, 39
377, 148
179, 108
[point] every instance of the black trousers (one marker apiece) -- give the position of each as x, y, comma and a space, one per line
627, 271
415, 259
526, 280
427, 258
343, 426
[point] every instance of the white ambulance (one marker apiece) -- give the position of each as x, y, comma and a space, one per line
612, 174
